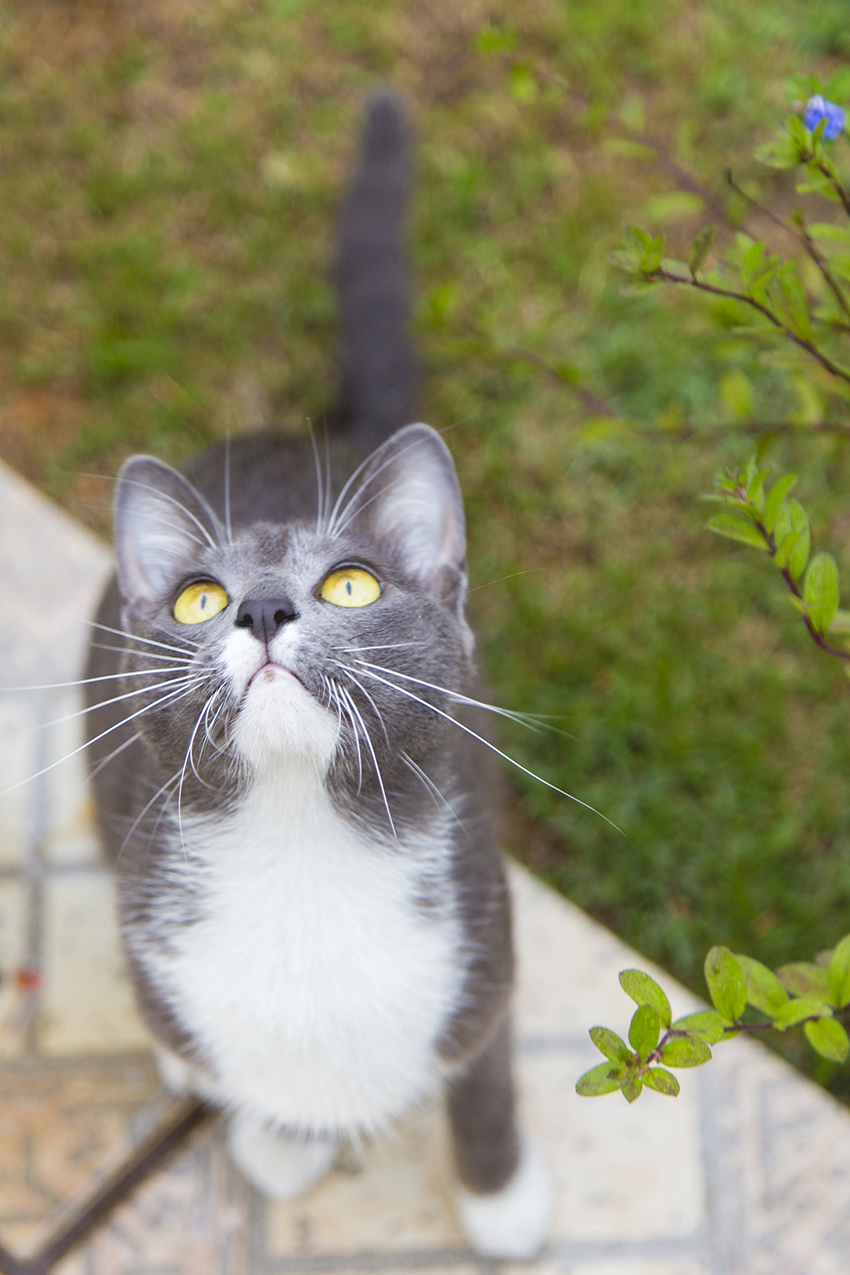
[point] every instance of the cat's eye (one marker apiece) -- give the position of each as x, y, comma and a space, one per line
199, 602
350, 587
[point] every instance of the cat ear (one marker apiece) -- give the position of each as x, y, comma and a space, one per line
409, 495
160, 523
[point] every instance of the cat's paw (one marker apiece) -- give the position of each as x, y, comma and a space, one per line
512, 1223
276, 1165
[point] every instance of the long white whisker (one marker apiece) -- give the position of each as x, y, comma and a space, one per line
164, 495
367, 696
227, 525
523, 719
107, 677
187, 681
139, 817
387, 646
355, 734
368, 741
149, 655
333, 528
127, 742
434, 791
320, 490
402, 691
132, 637
172, 695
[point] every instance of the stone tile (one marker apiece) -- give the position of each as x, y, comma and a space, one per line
622, 1173
396, 1199
17, 763
71, 836
621, 1264
14, 943
192, 1218
50, 565
568, 967
87, 1004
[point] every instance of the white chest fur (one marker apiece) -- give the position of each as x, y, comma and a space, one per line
315, 984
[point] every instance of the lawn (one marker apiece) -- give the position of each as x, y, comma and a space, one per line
169, 172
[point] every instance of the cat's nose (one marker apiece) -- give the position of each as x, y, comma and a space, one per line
265, 616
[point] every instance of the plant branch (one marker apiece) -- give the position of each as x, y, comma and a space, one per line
737, 1029
837, 187
661, 274
803, 238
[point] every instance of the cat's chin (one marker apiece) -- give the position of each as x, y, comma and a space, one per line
280, 719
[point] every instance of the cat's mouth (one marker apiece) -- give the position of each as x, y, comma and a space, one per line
271, 672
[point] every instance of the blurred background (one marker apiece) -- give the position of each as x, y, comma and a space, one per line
169, 175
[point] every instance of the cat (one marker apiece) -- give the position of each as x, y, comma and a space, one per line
312, 899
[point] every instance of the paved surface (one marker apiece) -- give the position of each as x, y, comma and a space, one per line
747, 1173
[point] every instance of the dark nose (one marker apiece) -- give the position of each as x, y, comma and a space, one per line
264, 616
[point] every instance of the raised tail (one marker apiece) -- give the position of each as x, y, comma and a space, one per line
378, 373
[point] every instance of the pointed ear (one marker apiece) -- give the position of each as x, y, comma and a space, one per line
160, 524
409, 495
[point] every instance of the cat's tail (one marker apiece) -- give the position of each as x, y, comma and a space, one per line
378, 373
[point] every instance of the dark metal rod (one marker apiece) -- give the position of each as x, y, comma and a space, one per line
148, 1157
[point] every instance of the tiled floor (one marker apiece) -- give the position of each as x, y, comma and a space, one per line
747, 1173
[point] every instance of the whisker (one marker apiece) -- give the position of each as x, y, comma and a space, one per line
320, 489
402, 691
172, 695
530, 572
227, 524
355, 735
188, 682
139, 817
335, 529
367, 696
87, 681
133, 637
432, 788
127, 742
367, 739
149, 655
178, 504
388, 646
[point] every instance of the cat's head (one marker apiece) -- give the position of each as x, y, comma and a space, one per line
333, 643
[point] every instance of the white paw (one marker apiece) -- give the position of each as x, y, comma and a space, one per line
514, 1222
174, 1073
276, 1165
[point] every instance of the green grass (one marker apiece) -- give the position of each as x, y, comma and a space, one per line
169, 178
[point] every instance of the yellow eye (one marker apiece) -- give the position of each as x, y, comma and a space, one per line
351, 587
200, 602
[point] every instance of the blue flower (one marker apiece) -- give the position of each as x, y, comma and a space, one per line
817, 109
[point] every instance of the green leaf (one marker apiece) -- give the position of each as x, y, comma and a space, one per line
599, 1080
827, 1037
736, 529
671, 206
799, 555
786, 546
793, 1012
631, 1089
700, 248
708, 1025
661, 1081
685, 1052
610, 1044
826, 230
820, 593
726, 983
764, 990
777, 494
645, 991
839, 973
737, 393
780, 153
644, 1030
802, 978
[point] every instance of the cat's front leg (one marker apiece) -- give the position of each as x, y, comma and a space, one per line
504, 1200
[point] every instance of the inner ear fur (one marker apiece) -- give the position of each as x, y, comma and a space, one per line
161, 523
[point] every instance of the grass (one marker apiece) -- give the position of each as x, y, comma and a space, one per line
169, 178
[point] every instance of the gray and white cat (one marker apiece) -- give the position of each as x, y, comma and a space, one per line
312, 899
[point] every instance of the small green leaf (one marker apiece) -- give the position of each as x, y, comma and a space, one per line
777, 494
802, 978
780, 153
839, 973
644, 1030
610, 1044
827, 1037
826, 230
599, 1080
726, 983
736, 529
820, 593
793, 1012
661, 1081
764, 990
700, 248
799, 555
645, 991
631, 1089
708, 1025
685, 1052
787, 545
